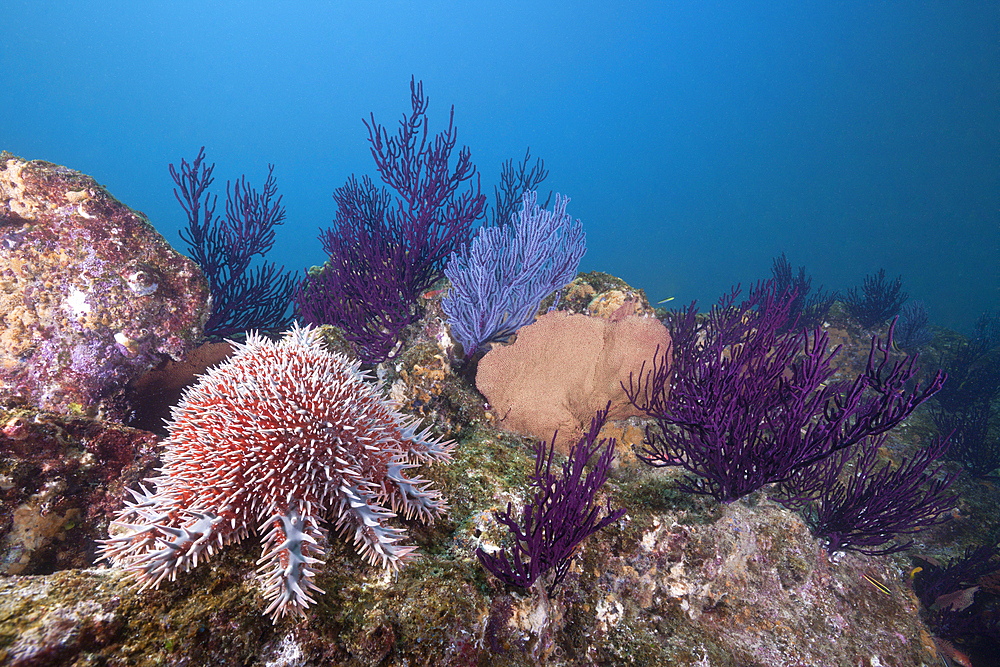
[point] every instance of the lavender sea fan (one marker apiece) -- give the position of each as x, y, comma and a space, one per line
499, 280
562, 513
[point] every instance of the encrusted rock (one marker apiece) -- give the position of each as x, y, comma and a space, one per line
602, 295
60, 479
91, 295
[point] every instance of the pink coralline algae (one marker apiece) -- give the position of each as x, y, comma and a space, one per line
278, 438
60, 479
91, 296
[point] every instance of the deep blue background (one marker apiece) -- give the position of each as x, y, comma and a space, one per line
697, 139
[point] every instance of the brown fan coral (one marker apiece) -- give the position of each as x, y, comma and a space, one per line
563, 368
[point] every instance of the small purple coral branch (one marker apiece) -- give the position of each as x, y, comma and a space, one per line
514, 183
562, 513
878, 301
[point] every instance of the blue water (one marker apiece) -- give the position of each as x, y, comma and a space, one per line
696, 139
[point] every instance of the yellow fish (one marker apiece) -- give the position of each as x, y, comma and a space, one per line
669, 298
878, 584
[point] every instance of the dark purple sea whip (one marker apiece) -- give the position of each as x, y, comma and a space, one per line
744, 405
562, 513
244, 297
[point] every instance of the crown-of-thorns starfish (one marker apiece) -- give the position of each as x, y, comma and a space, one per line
279, 437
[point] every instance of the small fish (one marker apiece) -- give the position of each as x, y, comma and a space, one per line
430, 294
669, 298
915, 571
950, 655
878, 584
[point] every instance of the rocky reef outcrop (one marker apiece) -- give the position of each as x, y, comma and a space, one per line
91, 296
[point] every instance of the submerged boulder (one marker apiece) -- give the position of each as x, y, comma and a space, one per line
61, 479
91, 296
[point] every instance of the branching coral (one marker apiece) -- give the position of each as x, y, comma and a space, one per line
878, 301
244, 298
384, 254
513, 186
804, 311
748, 406
562, 513
854, 504
498, 282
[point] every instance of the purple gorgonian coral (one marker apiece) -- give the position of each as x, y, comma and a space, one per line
744, 405
561, 514
385, 252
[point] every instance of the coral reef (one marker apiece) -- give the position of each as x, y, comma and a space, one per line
678, 580
91, 295
602, 295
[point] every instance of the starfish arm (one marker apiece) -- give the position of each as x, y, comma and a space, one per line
377, 542
286, 568
412, 496
420, 444
157, 550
